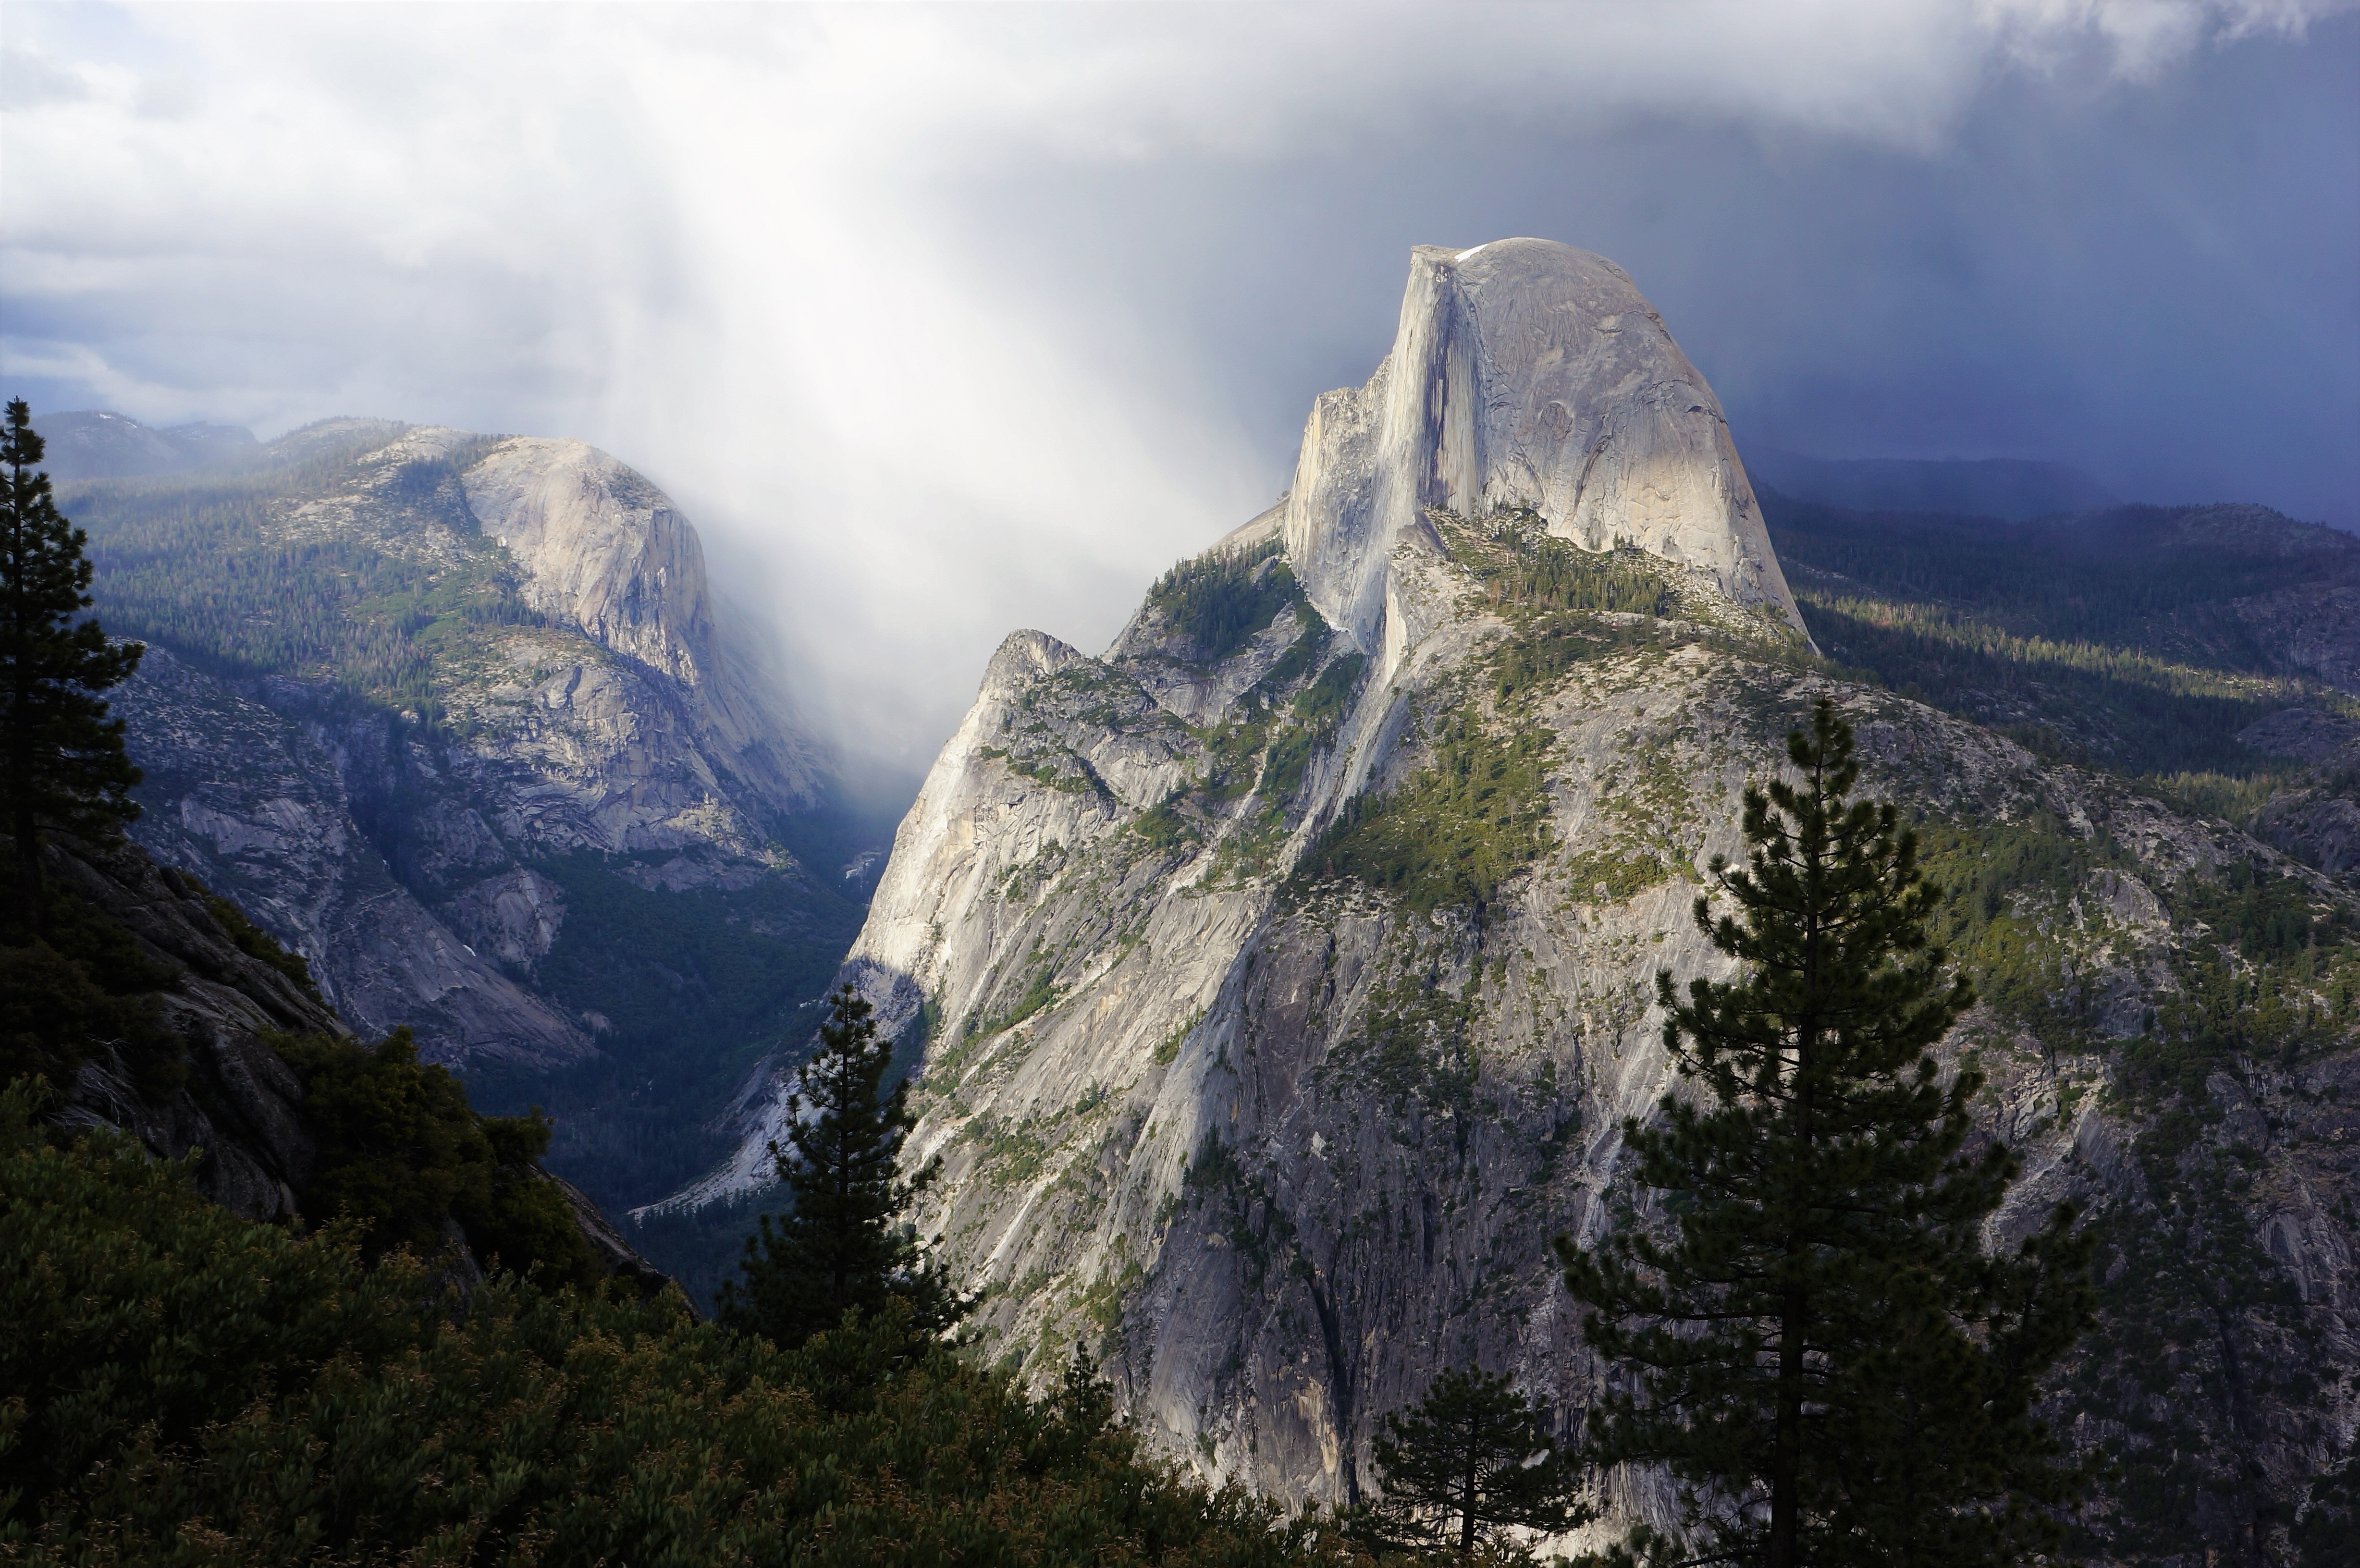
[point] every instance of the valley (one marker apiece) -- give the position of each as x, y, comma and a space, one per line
457, 719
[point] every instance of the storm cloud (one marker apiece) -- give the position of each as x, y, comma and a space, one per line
945, 321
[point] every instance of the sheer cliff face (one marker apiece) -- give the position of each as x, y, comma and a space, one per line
604, 550
1285, 973
478, 656
1526, 375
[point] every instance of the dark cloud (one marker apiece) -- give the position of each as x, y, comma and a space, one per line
942, 323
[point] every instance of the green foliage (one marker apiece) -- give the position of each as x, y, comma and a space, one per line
1063, 772
2264, 973
2007, 879
1413, 1040
2235, 800
1456, 830
211, 570
183, 1386
1468, 1463
2119, 629
1537, 657
1163, 825
842, 1251
2328, 1533
82, 989
1262, 750
1041, 992
1539, 571
1320, 706
1302, 653
402, 1156
255, 943
1824, 1357
2189, 1299
61, 759
1219, 602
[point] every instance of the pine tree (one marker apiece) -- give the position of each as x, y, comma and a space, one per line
843, 1246
62, 760
1470, 1460
1819, 1350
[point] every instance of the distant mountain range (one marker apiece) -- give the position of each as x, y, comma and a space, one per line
100, 444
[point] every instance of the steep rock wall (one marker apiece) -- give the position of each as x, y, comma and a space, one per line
470, 657
1524, 375
1225, 1089
251, 804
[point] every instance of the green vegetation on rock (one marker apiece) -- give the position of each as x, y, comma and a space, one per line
1217, 602
1447, 836
1523, 568
403, 1156
224, 573
80, 990
183, 1386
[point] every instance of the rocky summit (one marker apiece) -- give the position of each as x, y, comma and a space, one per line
458, 719
1283, 975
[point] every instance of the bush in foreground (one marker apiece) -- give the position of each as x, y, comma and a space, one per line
184, 1387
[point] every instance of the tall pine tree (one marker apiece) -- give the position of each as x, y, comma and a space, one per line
1469, 1462
845, 1245
1817, 1346
62, 760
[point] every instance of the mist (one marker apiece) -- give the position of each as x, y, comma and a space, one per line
944, 321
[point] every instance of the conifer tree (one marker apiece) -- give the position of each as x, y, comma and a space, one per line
1470, 1460
1817, 1346
62, 760
845, 1245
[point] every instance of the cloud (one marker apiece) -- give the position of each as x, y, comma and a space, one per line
943, 320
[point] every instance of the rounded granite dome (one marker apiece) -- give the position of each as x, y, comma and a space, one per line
1524, 373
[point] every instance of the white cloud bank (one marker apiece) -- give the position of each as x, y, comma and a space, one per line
741, 248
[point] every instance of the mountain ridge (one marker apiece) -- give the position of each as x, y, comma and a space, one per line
1278, 979
457, 718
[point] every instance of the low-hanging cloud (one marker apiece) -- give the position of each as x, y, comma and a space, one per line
945, 320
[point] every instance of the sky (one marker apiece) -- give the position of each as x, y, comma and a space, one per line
945, 320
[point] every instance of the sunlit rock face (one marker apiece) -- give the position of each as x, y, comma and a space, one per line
593, 707
1524, 375
1224, 1089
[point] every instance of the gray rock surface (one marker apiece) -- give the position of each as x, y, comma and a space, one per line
254, 806
606, 713
1281, 1148
1524, 375
243, 1108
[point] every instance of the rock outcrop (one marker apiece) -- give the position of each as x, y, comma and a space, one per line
252, 804
1526, 375
402, 670
1280, 1002
238, 1104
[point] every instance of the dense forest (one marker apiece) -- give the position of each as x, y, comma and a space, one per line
2113, 637
224, 571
